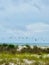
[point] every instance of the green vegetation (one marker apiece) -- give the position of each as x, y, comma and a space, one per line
23, 55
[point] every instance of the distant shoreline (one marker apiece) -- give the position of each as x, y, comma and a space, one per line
33, 44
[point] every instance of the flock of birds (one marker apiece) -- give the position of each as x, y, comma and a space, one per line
26, 38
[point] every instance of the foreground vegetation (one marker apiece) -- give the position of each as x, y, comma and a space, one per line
23, 55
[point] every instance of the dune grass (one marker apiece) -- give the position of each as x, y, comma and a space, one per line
9, 54
28, 56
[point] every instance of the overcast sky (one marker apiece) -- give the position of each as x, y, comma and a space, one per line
25, 21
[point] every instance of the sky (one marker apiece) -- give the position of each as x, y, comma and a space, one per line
24, 21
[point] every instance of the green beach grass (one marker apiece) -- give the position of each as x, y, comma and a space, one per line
25, 56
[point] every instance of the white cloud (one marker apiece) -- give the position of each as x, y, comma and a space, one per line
38, 27
31, 29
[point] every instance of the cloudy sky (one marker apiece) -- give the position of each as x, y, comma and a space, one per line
24, 21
